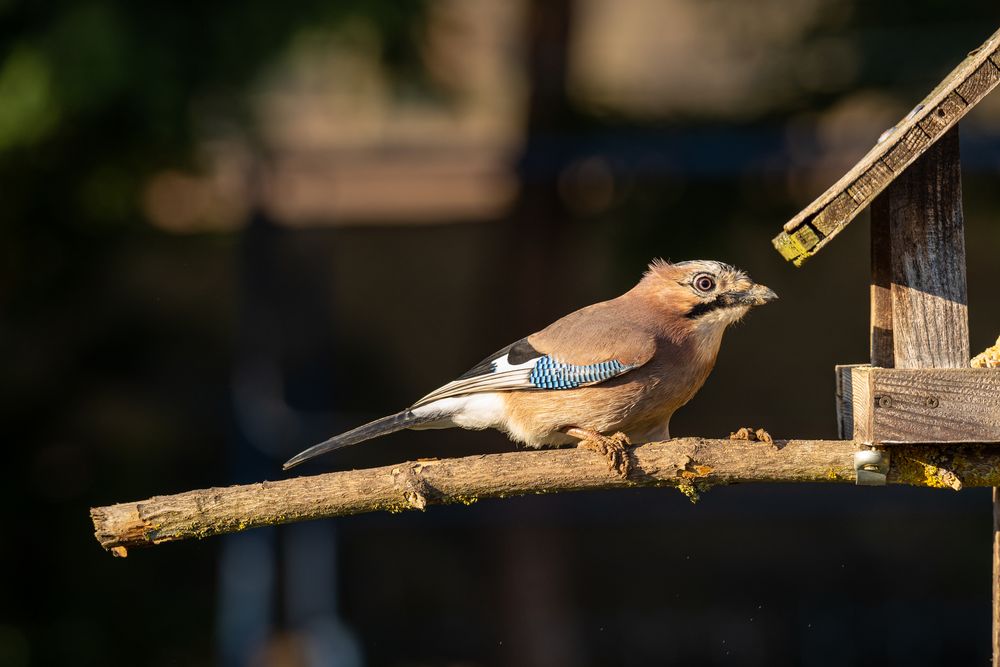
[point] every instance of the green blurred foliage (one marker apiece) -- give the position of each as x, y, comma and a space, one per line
97, 95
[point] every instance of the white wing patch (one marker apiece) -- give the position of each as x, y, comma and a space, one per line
504, 377
543, 372
502, 364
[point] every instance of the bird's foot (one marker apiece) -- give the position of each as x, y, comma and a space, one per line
611, 447
753, 435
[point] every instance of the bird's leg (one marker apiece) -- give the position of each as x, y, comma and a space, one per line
610, 447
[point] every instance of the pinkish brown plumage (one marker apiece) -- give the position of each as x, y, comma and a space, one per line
623, 365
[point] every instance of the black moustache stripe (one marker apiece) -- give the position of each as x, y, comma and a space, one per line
700, 309
721, 301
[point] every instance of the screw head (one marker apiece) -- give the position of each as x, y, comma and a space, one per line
884, 401
932, 402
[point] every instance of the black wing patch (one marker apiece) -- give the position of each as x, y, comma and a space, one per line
516, 353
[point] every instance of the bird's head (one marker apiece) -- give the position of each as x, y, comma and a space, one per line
704, 293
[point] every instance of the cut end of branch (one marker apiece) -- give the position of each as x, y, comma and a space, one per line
119, 525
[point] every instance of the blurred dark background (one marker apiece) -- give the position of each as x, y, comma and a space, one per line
231, 229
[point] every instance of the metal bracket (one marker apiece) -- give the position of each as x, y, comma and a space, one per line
871, 466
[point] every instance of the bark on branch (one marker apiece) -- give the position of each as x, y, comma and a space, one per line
690, 464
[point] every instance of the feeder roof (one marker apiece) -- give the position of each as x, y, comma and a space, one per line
974, 78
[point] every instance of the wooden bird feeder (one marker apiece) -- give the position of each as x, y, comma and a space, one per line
919, 387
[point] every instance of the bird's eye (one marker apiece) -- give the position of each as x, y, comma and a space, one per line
704, 283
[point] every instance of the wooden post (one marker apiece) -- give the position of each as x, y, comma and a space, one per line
919, 305
919, 299
881, 295
930, 321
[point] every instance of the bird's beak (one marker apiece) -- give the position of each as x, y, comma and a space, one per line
758, 295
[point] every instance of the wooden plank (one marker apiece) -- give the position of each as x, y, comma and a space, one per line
854, 402
845, 402
906, 149
795, 245
804, 238
783, 244
928, 405
880, 330
944, 116
935, 405
977, 75
871, 182
979, 85
828, 219
930, 321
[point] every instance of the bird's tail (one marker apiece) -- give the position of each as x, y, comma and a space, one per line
391, 424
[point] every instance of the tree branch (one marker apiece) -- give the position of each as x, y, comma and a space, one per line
690, 464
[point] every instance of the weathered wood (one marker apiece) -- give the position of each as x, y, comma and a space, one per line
930, 320
880, 338
805, 237
790, 247
690, 464
906, 150
845, 400
826, 221
933, 405
955, 96
870, 183
944, 116
979, 84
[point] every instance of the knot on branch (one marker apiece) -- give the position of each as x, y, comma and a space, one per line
414, 488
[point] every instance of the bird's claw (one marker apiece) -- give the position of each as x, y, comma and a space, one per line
753, 435
613, 448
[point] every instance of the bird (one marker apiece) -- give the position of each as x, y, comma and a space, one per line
605, 376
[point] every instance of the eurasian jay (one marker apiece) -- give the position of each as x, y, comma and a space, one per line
617, 367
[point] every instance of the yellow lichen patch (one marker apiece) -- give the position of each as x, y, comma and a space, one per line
923, 466
690, 491
932, 477
696, 472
